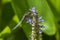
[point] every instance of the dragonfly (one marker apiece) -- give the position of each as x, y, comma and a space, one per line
24, 16
34, 22
27, 16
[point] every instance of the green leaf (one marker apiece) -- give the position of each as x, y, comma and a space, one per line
43, 9
6, 30
6, 15
5, 1
20, 7
55, 7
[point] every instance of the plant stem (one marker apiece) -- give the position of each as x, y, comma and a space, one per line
35, 28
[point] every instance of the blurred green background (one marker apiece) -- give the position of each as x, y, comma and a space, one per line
11, 12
